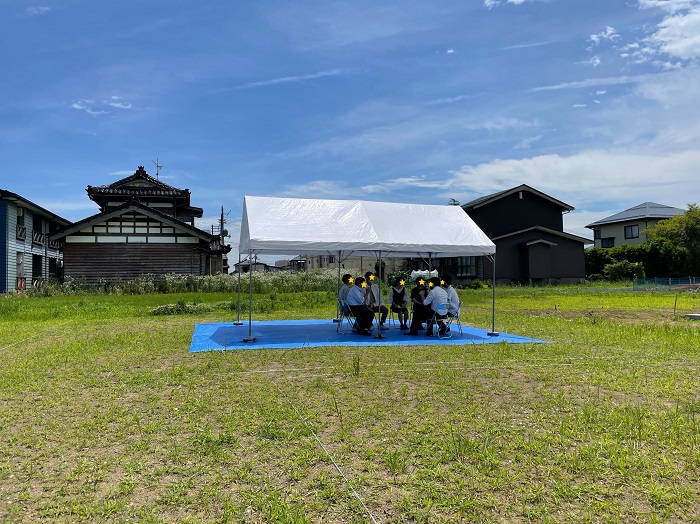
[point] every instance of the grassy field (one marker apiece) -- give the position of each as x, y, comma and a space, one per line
105, 416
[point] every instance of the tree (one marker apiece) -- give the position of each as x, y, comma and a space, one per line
680, 237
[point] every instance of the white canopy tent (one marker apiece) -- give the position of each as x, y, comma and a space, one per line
287, 226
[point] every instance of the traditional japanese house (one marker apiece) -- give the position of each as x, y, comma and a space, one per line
144, 227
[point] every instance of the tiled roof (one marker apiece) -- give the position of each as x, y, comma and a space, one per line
129, 187
642, 211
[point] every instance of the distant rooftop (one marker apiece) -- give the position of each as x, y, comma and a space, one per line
642, 211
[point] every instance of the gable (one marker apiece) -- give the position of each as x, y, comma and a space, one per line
132, 222
515, 211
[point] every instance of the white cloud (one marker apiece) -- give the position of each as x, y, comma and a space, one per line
37, 10
592, 177
450, 51
672, 6
294, 79
383, 139
401, 184
338, 24
579, 105
87, 106
318, 189
593, 82
679, 35
593, 61
451, 100
494, 3
115, 101
527, 142
608, 34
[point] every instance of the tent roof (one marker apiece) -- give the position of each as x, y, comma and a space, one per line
358, 228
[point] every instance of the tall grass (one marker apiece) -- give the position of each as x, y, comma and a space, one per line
262, 282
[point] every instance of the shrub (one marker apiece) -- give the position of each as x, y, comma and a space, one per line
624, 270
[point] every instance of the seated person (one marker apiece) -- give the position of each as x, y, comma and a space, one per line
374, 300
345, 289
398, 298
421, 312
356, 302
436, 296
452, 297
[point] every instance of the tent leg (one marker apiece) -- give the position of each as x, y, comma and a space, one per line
493, 332
379, 286
238, 322
337, 304
250, 337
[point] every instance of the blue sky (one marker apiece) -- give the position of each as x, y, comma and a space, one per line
595, 103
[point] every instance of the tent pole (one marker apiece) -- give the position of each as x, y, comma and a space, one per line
379, 287
337, 294
493, 332
250, 337
238, 322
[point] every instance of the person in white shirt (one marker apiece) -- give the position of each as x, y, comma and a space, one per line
374, 299
453, 309
436, 296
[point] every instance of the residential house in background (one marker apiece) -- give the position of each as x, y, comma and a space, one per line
354, 265
144, 227
527, 227
27, 256
629, 226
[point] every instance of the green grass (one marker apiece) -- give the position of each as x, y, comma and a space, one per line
105, 417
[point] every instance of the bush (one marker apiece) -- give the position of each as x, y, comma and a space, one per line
623, 270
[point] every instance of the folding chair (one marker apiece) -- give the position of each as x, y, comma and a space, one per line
346, 317
391, 319
456, 318
440, 317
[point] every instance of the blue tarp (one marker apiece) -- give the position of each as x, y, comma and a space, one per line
287, 334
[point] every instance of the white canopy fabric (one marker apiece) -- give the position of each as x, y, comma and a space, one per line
358, 228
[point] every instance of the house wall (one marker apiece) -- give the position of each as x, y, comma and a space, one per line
617, 232
4, 253
42, 252
563, 262
129, 245
92, 263
518, 211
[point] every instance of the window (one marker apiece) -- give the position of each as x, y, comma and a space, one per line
20, 264
632, 231
596, 234
607, 242
466, 267
20, 216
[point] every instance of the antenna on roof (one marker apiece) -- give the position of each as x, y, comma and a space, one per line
158, 166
